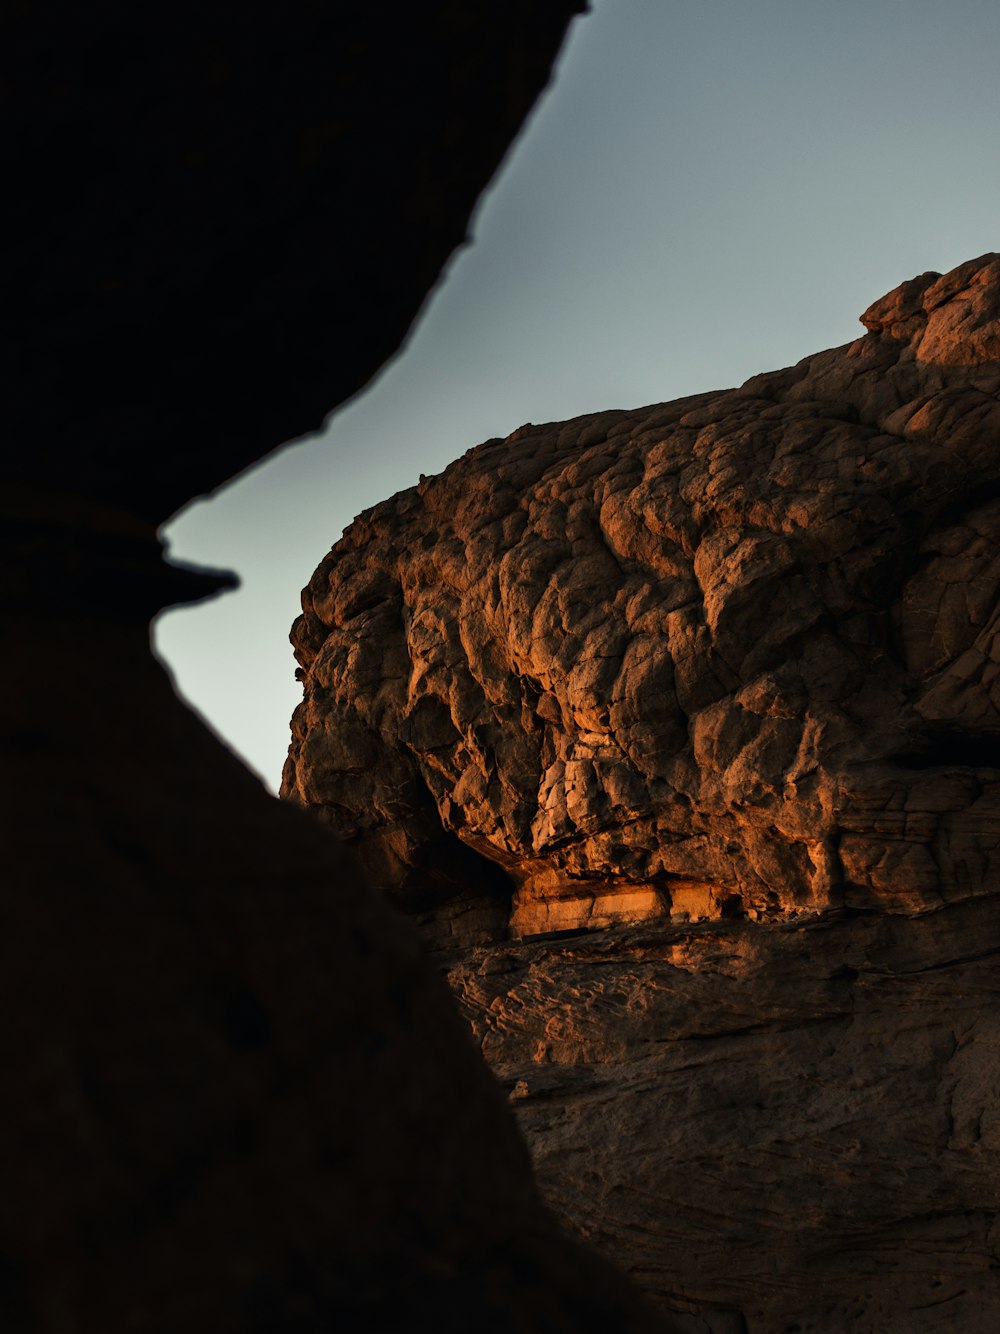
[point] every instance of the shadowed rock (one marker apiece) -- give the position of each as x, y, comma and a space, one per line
239, 1099
729, 661
226, 223
235, 1097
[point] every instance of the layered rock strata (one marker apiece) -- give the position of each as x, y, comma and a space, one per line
796, 1121
716, 682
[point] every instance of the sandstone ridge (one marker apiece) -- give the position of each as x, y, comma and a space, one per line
731, 656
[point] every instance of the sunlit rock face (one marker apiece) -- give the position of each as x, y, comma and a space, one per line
677, 730
732, 656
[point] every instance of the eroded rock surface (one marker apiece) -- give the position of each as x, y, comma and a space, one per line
716, 682
731, 656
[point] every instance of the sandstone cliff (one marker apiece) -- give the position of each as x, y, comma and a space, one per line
716, 682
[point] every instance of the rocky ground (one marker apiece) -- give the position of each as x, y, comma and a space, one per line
677, 729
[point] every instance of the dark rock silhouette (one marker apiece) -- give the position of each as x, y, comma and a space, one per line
227, 224
717, 682
235, 1096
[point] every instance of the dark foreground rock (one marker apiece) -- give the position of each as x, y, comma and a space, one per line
225, 223
235, 1097
730, 661
238, 1098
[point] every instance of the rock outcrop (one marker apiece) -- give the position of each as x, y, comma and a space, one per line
731, 656
235, 1097
718, 682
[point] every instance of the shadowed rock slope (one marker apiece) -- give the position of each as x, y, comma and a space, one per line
716, 683
243, 1101
236, 1099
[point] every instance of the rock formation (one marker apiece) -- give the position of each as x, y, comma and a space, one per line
714, 682
235, 1096
225, 227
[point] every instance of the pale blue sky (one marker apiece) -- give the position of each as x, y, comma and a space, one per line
710, 188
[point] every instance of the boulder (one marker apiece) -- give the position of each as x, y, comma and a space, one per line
717, 683
732, 656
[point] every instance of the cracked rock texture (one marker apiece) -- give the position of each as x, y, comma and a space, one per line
718, 682
732, 656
